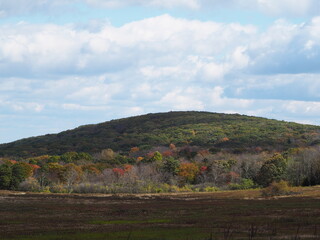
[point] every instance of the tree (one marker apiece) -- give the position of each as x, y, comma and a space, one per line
107, 154
304, 167
20, 172
54, 172
154, 157
134, 149
71, 174
157, 157
5, 176
188, 171
272, 170
69, 157
85, 156
172, 147
171, 165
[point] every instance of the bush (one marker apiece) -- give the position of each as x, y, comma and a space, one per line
30, 184
211, 189
244, 184
90, 188
58, 188
276, 189
204, 187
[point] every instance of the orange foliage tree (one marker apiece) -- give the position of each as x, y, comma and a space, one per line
134, 149
172, 146
188, 171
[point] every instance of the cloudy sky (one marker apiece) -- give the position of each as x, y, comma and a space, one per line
66, 63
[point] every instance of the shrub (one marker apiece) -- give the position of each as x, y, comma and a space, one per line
211, 189
90, 188
174, 188
276, 189
244, 184
30, 184
58, 188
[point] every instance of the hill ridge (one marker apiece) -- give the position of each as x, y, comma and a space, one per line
199, 128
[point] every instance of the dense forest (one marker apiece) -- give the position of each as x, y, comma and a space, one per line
232, 132
167, 152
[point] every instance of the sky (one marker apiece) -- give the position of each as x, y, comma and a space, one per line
66, 63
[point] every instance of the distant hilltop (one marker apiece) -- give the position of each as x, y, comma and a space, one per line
229, 132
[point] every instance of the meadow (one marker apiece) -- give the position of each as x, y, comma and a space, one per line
242, 214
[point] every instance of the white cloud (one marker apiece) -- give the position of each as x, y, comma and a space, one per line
287, 48
73, 106
14, 7
239, 57
27, 49
134, 111
193, 4
96, 94
186, 99
271, 7
158, 64
302, 108
291, 7
24, 107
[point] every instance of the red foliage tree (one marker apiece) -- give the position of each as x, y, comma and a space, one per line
203, 169
167, 153
127, 168
118, 172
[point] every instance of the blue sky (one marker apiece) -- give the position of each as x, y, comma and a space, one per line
66, 63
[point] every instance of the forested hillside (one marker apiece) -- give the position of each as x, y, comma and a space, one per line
215, 131
165, 152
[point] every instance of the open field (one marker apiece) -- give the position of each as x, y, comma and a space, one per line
192, 216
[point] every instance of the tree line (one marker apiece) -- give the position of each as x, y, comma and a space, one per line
161, 169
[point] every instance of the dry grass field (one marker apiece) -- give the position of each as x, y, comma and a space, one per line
189, 216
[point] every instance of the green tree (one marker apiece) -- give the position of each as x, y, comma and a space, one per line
85, 157
53, 159
20, 171
72, 157
156, 157
5, 176
171, 165
69, 157
272, 170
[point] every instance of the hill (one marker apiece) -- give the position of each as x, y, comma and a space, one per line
231, 132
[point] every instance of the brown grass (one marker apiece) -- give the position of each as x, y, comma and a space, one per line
224, 215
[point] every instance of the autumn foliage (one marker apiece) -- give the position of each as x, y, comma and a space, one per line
188, 171
121, 171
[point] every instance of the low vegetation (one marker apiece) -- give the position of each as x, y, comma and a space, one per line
195, 216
